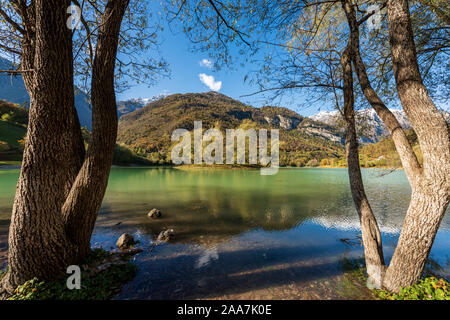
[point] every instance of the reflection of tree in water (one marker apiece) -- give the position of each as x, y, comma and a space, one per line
218, 204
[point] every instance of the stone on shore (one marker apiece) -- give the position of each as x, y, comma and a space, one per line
125, 241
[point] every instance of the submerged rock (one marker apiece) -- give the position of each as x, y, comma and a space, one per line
155, 213
166, 235
125, 241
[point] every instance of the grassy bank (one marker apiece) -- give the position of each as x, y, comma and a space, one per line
428, 288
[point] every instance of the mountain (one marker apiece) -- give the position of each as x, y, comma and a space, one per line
369, 125
12, 89
148, 130
127, 106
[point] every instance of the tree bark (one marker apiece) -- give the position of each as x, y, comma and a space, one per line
75, 156
85, 198
373, 248
431, 194
38, 246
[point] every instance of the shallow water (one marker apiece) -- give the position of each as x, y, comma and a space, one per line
239, 234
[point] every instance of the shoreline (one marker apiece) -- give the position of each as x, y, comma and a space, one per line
210, 167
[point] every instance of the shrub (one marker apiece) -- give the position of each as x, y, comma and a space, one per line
427, 289
6, 117
324, 162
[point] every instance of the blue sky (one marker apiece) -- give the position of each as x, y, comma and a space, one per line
187, 70
187, 73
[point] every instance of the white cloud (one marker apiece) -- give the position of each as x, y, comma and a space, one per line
210, 82
206, 63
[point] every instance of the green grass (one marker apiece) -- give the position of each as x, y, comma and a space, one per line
11, 133
429, 288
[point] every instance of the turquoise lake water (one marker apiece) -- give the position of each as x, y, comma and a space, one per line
237, 231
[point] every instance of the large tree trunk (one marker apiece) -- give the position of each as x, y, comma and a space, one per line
56, 203
430, 184
373, 249
82, 205
75, 155
431, 194
38, 246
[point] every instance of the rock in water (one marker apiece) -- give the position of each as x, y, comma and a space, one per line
155, 213
125, 241
166, 235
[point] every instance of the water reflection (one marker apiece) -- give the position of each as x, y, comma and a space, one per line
239, 234
217, 204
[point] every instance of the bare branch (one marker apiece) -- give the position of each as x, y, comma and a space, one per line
12, 22
16, 71
293, 87
239, 33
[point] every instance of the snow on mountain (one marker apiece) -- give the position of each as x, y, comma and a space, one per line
328, 117
130, 105
369, 125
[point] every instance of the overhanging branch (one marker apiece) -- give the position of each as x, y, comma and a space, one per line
239, 33
16, 71
12, 22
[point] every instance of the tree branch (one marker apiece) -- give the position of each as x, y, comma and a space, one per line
239, 33
15, 71
10, 49
12, 22
293, 87
364, 19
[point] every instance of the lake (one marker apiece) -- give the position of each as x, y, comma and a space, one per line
242, 235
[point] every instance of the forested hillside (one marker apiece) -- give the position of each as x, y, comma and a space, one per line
13, 129
13, 122
148, 131
145, 135
383, 154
